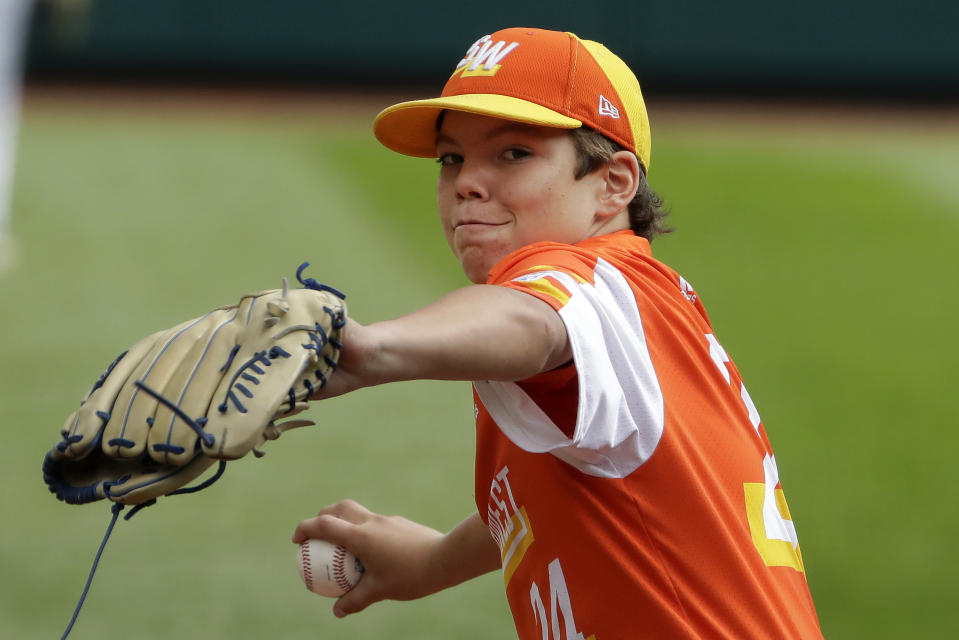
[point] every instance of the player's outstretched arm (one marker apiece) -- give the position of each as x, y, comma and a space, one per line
403, 560
481, 332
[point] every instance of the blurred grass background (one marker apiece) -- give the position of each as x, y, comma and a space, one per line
824, 249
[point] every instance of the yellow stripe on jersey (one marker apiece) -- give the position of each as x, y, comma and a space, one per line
543, 267
514, 549
775, 553
547, 286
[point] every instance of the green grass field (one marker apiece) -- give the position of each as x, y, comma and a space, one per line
825, 254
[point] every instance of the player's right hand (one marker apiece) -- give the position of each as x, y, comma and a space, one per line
401, 557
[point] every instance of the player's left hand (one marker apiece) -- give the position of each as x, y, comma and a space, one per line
354, 369
210, 389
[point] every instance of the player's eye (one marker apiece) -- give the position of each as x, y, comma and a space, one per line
449, 159
514, 153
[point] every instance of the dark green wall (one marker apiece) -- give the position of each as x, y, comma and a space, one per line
894, 49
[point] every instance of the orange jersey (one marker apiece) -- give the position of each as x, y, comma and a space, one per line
633, 493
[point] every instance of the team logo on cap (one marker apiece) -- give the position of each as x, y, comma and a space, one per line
484, 57
606, 107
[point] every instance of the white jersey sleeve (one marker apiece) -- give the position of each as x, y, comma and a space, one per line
620, 414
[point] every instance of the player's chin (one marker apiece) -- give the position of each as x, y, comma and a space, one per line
477, 273
476, 277
477, 262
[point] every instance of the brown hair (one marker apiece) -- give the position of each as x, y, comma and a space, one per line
646, 212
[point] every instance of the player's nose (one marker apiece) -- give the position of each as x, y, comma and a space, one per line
472, 183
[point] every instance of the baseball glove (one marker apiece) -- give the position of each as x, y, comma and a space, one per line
207, 390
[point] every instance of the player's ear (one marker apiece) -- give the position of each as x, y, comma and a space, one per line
620, 182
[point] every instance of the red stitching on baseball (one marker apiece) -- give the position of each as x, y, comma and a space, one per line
307, 565
339, 574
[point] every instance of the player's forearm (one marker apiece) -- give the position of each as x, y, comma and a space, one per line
467, 552
478, 333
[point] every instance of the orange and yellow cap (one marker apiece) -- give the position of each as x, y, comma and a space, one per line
535, 76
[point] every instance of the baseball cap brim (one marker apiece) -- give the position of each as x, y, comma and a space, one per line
410, 127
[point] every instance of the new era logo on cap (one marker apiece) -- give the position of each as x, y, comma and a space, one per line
606, 107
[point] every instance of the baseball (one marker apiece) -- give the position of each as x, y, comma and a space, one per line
328, 569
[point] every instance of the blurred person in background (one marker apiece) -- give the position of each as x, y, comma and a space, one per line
13, 35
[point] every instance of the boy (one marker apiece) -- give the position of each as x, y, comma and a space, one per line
624, 481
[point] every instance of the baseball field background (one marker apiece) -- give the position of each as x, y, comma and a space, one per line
822, 240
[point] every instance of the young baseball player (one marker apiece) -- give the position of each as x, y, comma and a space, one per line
625, 484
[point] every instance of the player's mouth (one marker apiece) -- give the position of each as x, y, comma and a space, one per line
476, 225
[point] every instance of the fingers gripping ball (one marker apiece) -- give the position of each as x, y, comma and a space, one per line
328, 569
210, 389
